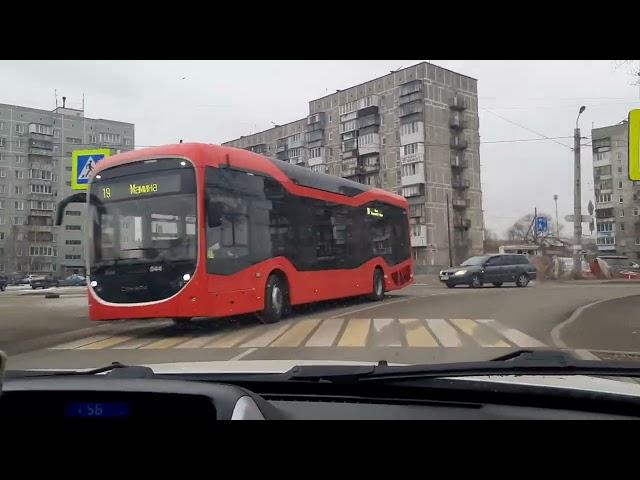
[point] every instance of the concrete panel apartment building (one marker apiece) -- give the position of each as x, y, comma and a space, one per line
35, 173
414, 132
617, 198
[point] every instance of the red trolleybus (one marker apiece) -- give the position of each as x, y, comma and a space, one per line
196, 230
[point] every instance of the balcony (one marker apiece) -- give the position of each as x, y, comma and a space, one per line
418, 235
601, 205
313, 161
410, 108
460, 183
458, 102
456, 121
349, 145
368, 121
460, 202
412, 158
458, 143
369, 143
410, 87
369, 102
413, 191
414, 178
316, 120
462, 223
458, 161
41, 152
349, 173
412, 97
315, 135
605, 177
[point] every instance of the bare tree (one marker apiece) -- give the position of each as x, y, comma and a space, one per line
523, 229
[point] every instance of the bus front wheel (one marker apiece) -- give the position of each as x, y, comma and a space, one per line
276, 300
378, 285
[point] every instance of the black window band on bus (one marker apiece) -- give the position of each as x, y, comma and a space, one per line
260, 219
320, 181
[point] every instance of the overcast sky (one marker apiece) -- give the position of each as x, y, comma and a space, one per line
215, 101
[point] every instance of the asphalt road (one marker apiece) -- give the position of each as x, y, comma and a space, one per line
422, 323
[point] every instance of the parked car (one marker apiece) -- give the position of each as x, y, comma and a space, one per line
3, 283
74, 280
44, 282
496, 269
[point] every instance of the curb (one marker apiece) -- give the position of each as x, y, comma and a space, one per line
557, 330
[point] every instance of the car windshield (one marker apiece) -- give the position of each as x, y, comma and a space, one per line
474, 261
206, 214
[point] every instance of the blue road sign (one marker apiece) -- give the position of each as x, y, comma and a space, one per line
83, 163
541, 224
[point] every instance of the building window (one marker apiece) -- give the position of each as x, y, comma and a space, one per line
110, 138
619, 184
19, 174
73, 140
43, 189
19, 159
41, 252
92, 138
636, 212
18, 204
621, 200
315, 152
3, 172
2, 220
1, 235
619, 169
621, 213
638, 242
73, 213
622, 226
20, 129
3, 142
18, 189
2, 202
604, 197
72, 257
73, 242
73, 227
17, 220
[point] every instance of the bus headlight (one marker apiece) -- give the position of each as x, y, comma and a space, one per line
93, 283
186, 277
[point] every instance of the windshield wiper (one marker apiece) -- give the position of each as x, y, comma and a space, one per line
521, 362
115, 369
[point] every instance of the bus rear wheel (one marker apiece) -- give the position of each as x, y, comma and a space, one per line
276, 300
378, 285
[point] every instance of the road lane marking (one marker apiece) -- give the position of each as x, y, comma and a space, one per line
233, 338
326, 333
377, 305
199, 342
445, 333
296, 334
386, 333
416, 333
135, 343
165, 343
80, 343
243, 354
267, 337
485, 337
355, 333
517, 337
106, 343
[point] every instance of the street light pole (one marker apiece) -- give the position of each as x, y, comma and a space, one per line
555, 198
577, 199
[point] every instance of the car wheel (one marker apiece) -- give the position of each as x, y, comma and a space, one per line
476, 282
33, 287
497, 284
276, 300
378, 285
2, 288
450, 285
522, 280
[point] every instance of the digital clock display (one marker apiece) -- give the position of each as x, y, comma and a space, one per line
96, 410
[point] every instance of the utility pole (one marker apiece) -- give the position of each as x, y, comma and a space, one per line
535, 225
577, 200
449, 232
555, 198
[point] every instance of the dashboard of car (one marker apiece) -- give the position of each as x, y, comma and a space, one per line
99, 399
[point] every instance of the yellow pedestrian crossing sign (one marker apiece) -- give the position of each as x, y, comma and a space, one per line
634, 145
83, 162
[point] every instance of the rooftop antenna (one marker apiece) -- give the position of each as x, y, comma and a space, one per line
83, 102
55, 94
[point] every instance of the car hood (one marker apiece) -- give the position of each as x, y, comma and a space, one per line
472, 268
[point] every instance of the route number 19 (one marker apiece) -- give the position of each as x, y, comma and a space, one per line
106, 192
